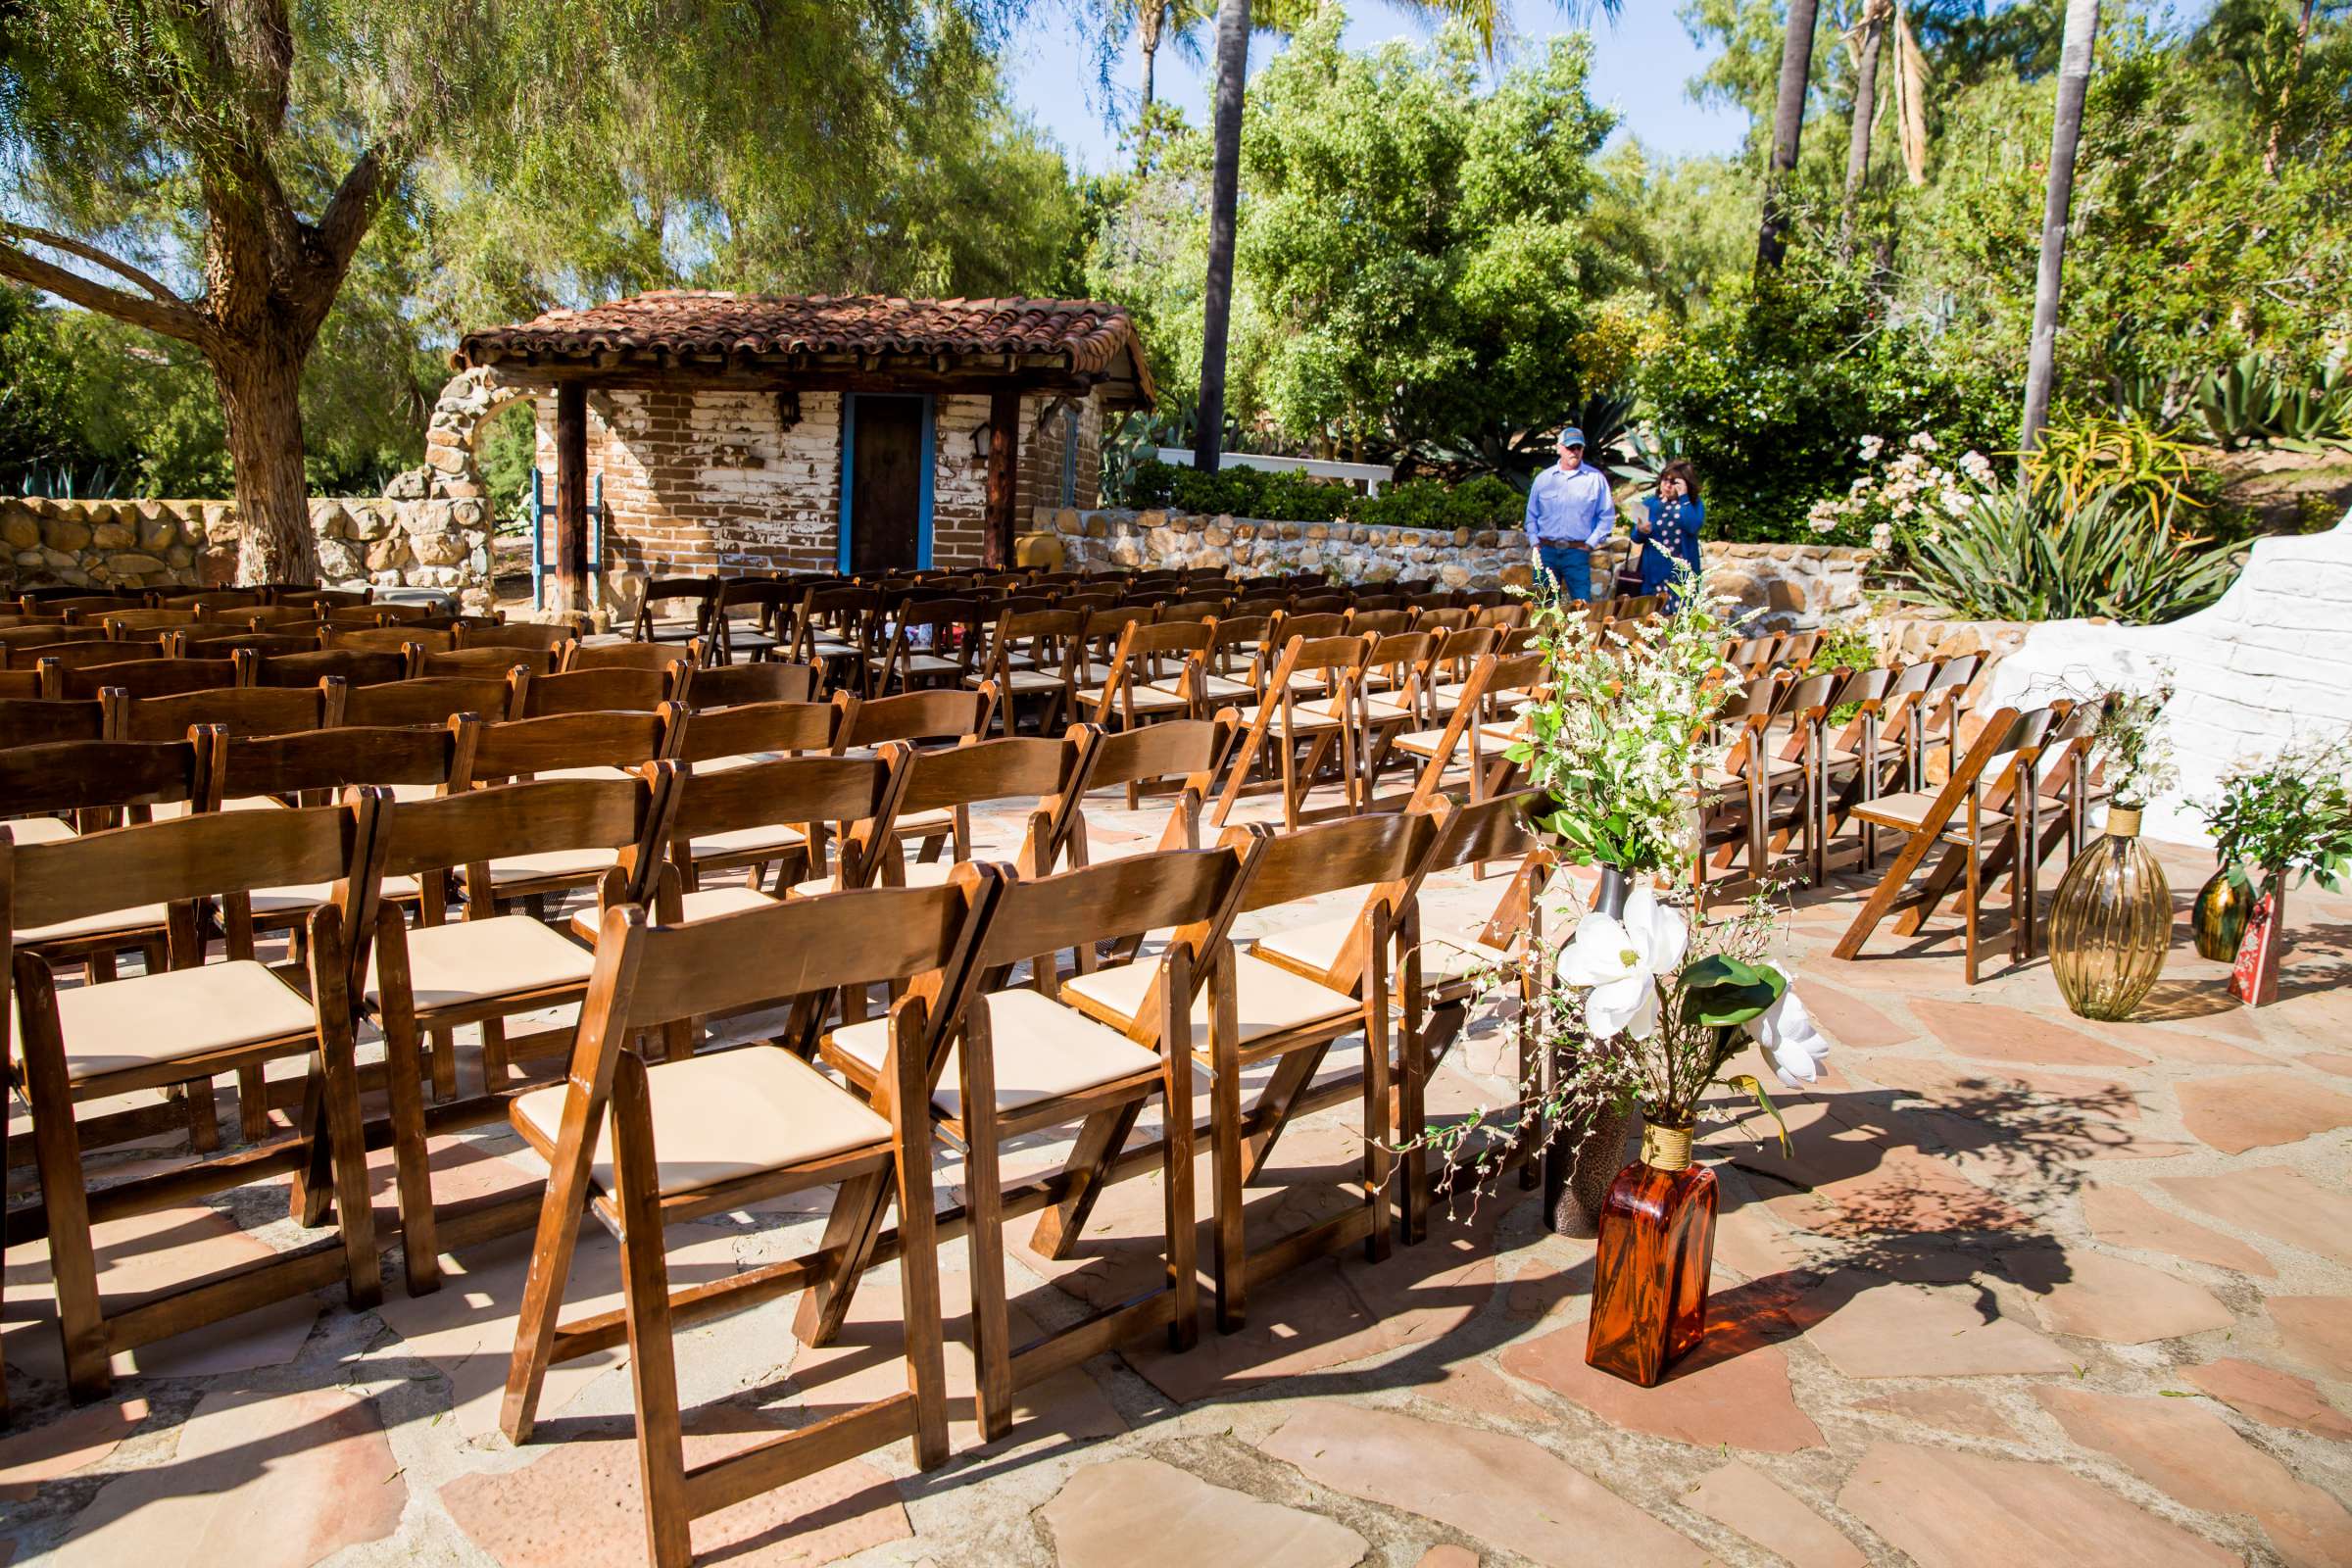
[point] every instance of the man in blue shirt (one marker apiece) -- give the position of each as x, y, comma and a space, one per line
1569, 511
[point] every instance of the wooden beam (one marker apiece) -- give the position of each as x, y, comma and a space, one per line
1003, 468
571, 495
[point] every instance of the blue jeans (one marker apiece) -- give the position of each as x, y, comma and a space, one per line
1572, 567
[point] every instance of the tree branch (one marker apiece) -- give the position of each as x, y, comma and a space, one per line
92, 254
352, 209
171, 316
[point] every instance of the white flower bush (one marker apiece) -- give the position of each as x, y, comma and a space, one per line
1911, 489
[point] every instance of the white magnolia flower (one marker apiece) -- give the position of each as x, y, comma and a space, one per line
1791, 1043
1620, 963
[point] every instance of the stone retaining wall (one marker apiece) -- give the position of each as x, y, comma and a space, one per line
1784, 587
437, 543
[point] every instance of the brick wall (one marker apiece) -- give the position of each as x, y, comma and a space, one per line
707, 481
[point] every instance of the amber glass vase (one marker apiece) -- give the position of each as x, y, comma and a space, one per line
2111, 923
2218, 920
1649, 1274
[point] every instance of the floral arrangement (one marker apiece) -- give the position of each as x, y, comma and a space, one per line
1617, 746
2291, 815
1666, 1019
2133, 747
1911, 492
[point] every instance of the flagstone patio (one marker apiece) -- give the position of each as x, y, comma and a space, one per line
2025, 1288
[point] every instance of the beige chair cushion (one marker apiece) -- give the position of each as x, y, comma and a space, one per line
1316, 943
310, 895
1907, 809
37, 830
175, 1014
598, 771
1270, 1000
919, 875
1220, 688
728, 1115
1147, 700
1022, 682
1381, 707
139, 918
572, 863
701, 905
1447, 959
1304, 718
749, 840
1491, 739
1044, 1050
466, 961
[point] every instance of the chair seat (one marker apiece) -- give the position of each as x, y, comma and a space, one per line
925, 824
37, 830
778, 836
703, 904
724, 1116
1147, 700
920, 664
675, 629
1272, 999
1379, 709
1448, 961
141, 917
1423, 742
549, 864
1018, 682
1907, 809
1044, 1050
1217, 687
309, 895
1316, 945
175, 1014
468, 960
1304, 719
919, 875
596, 771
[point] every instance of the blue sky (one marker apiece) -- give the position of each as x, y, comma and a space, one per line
1641, 60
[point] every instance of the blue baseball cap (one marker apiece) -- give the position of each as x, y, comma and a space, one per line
1572, 437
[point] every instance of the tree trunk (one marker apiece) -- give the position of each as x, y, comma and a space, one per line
260, 401
1225, 188
1788, 126
1866, 112
1149, 23
2286, 93
2065, 133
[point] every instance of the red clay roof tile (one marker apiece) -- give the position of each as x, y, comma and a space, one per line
1091, 333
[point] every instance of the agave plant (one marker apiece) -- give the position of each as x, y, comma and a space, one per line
2256, 399
2017, 553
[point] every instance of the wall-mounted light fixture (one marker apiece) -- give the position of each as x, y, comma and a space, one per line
980, 436
788, 409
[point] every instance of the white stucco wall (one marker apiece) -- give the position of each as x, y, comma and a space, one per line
2269, 663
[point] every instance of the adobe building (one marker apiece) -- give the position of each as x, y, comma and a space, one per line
753, 434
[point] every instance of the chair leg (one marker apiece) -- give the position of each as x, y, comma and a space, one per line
1293, 1072
984, 1198
1178, 1220
1100, 1139
1412, 1081
653, 1353
1229, 1252
851, 1231
347, 1143
253, 1105
56, 1152
1380, 1157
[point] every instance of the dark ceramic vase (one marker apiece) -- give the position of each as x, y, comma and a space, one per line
1582, 1160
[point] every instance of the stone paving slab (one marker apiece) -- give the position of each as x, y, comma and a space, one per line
2023, 1287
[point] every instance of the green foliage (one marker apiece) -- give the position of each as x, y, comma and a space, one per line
2015, 552
1772, 399
2291, 815
1278, 495
2257, 398
2144, 466
1484, 502
506, 447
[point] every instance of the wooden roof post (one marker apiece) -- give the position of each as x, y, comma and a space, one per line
571, 495
1004, 460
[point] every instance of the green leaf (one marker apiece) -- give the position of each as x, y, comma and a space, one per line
1719, 991
1749, 1083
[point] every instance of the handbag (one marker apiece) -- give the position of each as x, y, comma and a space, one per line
1628, 583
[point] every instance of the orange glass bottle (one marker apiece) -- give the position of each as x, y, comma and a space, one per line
1649, 1274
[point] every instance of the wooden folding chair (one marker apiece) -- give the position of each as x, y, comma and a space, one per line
1329, 666
932, 642
487, 968
729, 827
919, 718
950, 780
832, 627
410, 642
1937, 716
71, 679
1188, 750
1032, 652
715, 1133
429, 700
1993, 771
696, 593
1232, 671
603, 746
1391, 697
33, 721
1268, 1009
1482, 724
1025, 1060
733, 685
236, 709
618, 690
1138, 686
729, 635
491, 660
665, 659
182, 1026
354, 667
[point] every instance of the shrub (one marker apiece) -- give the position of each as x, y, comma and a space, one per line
2018, 552
1484, 502
1279, 496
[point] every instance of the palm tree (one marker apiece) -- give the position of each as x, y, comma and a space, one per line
1788, 126
1866, 105
1157, 22
2065, 133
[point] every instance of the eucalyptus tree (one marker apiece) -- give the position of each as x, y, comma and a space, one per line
208, 169
2066, 134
